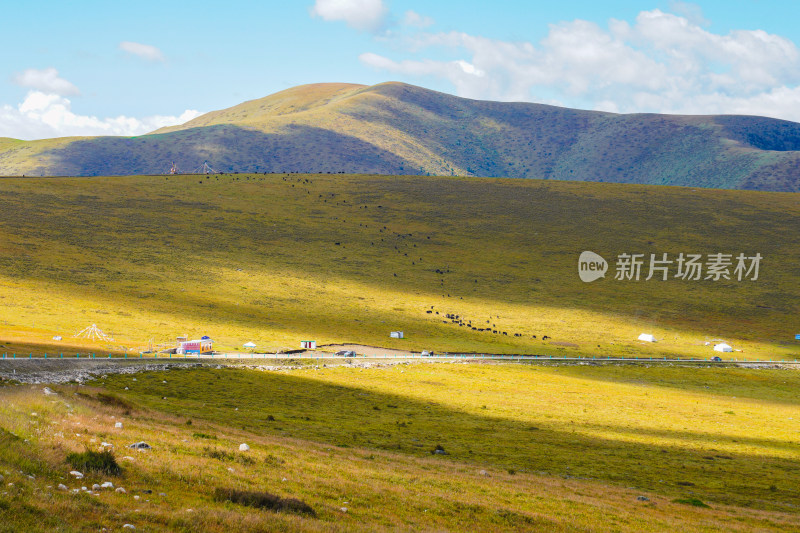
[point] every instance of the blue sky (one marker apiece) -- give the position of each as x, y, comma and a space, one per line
124, 67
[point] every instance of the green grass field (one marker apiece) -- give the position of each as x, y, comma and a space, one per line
528, 448
338, 258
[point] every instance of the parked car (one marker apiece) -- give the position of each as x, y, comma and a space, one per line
346, 353
716, 359
426, 353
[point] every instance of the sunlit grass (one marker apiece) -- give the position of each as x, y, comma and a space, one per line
254, 258
528, 448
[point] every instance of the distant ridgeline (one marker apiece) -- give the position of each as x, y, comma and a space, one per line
394, 128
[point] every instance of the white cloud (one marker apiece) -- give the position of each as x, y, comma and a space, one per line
46, 80
659, 63
469, 80
145, 51
414, 19
364, 15
43, 115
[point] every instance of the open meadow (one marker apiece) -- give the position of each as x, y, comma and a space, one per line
459, 265
544, 448
276, 259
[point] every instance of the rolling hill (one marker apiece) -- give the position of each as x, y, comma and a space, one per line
395, 128
278, 258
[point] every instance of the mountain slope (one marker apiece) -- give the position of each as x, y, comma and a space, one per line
394, 128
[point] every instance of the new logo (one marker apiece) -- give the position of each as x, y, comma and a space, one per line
591, 267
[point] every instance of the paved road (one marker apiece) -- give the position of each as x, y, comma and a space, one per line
375, 354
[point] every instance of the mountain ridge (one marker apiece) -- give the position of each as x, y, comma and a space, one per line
396, 128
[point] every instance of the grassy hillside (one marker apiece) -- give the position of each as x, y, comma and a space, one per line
275, 259
527, 448
394, 128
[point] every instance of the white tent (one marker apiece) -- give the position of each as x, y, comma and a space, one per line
646, 337
722, 347
250, 345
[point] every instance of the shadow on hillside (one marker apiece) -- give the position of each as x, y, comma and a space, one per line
350, 416
226, 148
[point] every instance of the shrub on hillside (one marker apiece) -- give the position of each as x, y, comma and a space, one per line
91, 461
263, 500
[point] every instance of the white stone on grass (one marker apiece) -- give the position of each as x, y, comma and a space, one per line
244, 447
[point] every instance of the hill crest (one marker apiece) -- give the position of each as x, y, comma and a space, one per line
396, 128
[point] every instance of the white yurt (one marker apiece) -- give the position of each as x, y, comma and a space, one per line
722, 347
646, 337
250, 345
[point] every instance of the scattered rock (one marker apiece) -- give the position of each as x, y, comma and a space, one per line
343, 509
244, 447
107, 485
48, 391
127, 458
120, 490
136, 497
106, 445
643, 498
483, 473
95, 487
141, 445
128, 526
118, 425
77, 474
61, 486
